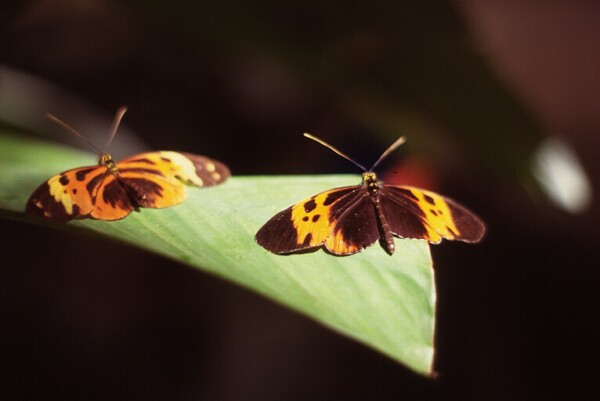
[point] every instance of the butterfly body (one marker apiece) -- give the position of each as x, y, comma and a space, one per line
111, 191
373, 187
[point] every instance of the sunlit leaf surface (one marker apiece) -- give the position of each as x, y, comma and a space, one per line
386, 302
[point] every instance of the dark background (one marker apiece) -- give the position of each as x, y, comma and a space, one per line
476, 85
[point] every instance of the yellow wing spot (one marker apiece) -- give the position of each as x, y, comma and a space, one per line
311, 217
440, 223
183, 167
211, 167
216, 176
57, 191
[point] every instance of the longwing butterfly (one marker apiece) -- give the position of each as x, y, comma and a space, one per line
346, 220
111, 190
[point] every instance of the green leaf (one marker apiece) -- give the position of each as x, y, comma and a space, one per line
386, 302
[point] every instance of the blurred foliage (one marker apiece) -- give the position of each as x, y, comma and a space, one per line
387, 67
257, 72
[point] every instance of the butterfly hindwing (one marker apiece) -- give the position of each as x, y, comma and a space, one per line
355, 222
420, 214
112, 201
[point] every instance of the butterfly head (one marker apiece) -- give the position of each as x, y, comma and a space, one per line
107, 161
369, 180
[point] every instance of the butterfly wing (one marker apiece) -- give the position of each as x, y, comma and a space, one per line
416, 213
342, 219
356, 226
188, 168
68, 195
112, 201
155, 179
209, 171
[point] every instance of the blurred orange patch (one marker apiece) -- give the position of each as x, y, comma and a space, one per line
414, 171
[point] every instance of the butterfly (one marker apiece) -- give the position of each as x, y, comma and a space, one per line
111, 190
346, 220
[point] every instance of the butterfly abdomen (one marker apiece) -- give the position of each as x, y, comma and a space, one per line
388, 236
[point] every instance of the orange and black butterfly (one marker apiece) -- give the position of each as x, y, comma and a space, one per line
111, 191
346, 220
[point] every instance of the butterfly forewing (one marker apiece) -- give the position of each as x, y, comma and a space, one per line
307, 224
470, 228
209, 171
68, 195
355, 222
192, 169
419, 214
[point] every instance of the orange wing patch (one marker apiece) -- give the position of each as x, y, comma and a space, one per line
339, 245
70, 192
112, 199
67, 195
310, 218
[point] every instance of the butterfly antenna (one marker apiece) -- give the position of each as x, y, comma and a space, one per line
115, 125
389, 150
322, 142
72, 130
